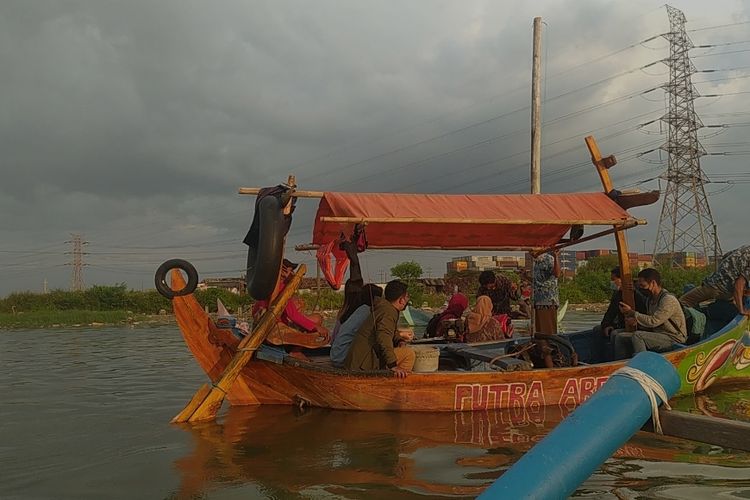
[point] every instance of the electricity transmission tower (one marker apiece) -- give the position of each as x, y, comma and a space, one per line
77, 262
686, 223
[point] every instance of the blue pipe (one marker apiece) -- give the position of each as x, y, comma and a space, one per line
568, 455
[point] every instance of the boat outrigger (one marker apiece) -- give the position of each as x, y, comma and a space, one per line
533, 223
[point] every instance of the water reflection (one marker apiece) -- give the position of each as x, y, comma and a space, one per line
726, 402
373, 454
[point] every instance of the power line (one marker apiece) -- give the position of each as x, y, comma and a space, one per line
506, 93
718, 26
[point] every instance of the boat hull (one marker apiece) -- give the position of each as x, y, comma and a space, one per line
724, 357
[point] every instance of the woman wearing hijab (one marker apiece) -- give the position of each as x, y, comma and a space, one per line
480, 325
455, 309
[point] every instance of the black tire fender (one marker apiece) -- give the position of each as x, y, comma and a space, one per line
264, 260
160, 278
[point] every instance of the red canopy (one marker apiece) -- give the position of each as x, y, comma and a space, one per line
451, 221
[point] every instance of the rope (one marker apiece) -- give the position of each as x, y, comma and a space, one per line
511, 354
216, 386
651, 387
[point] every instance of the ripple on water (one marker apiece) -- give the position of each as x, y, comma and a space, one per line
86, 412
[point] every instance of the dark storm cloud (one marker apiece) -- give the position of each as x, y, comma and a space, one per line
135, 122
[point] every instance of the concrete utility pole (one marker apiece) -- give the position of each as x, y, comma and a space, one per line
536, 109
536, 140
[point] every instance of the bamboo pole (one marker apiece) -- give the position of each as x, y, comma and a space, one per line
449, 220
205, 404
596, 235
297, 193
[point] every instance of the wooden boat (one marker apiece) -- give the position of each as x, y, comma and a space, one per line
489, 222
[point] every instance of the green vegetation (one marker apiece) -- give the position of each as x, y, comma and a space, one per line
73, 317
591, 283
117, 305
407, 272
99, 304
329, 300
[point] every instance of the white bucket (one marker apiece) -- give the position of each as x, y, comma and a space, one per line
426, 358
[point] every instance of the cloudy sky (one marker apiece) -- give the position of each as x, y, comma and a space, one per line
134, 122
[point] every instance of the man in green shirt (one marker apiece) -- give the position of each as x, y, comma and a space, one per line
377, 345
659, 328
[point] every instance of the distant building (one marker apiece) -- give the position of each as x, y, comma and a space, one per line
571, 261
435, 285
485, 262
684, 259
234, 285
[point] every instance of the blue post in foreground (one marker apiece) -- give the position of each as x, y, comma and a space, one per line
568, 455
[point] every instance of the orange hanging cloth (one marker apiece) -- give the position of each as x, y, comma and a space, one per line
334, 274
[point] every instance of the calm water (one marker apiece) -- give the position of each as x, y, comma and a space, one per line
85, 414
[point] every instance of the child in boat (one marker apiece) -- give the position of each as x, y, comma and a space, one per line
481, 326
292, 316
378, 344
346, 331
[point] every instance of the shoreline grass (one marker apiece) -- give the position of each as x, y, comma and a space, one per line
75, 318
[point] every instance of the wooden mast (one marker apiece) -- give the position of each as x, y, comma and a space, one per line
602, 167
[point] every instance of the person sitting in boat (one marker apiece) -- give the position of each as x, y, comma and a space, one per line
613, 319
481, 326
354, 286
659, 328
729, 282
343, 338
377, 345
438, 325
292, 317
523, 309
499, 289
546, 295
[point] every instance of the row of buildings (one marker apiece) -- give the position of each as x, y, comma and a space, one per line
571, 261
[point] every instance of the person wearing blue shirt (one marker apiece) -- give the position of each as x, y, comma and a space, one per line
347, 330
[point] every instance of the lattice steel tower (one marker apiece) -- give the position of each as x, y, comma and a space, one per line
77, 263
686, 223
